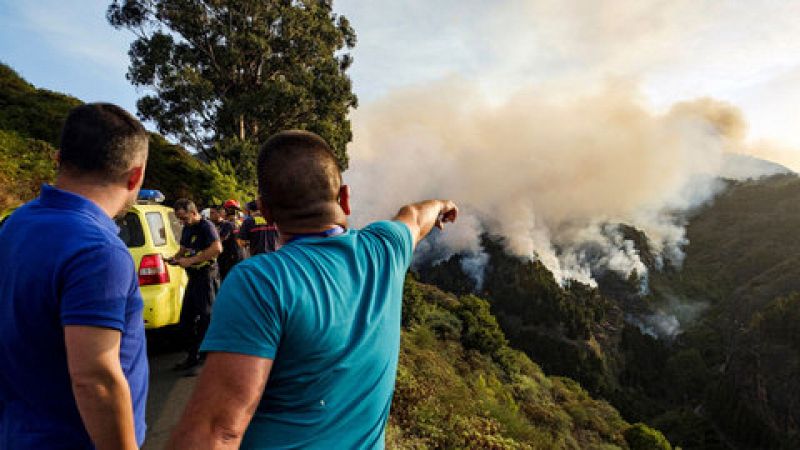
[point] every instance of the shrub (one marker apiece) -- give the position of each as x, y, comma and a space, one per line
481, 331
641, 437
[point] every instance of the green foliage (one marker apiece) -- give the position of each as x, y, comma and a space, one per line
527, 291
778, 321
551, 324
464, 387
481, 331
25, 164
690, 429
30, 125
642, 437
30, 112
242, 156
225, 69
743, 259
31, 120
727, 378
225, 183
171, 169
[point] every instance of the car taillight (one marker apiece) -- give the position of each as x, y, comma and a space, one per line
152, 270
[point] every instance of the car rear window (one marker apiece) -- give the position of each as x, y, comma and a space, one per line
157, 230
130, 230
175, 224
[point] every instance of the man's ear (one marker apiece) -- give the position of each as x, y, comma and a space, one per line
135, 178
344, 199
265, 212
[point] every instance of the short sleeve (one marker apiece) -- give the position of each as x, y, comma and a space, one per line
246, 318
398, 240
96, 286
210, 232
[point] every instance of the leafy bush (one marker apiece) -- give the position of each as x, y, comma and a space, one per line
481, 331
642, 437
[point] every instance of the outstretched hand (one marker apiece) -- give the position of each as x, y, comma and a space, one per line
448, 214
423, 216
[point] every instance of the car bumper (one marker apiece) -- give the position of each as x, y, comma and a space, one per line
162, 305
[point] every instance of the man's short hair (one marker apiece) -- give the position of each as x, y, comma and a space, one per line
101, 139
298, 178
184, 204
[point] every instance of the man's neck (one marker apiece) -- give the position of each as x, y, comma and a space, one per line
293, 232
101, 195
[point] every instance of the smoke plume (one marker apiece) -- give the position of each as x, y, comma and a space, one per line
549, 172
670, 318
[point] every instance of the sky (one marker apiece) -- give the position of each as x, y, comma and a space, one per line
742, 52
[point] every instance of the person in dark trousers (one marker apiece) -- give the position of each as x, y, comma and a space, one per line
73, 356
228, 233
200, 246
257, 234
304, 342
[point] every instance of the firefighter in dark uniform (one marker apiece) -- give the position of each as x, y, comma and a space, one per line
228, 234
200, 246
257, 234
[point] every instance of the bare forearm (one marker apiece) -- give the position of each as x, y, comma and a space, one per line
203, 435
422, 216
210, 253
104, 402
224, 401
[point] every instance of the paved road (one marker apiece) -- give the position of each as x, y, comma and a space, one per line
169, 390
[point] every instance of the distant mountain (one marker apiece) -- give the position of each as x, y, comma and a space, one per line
745, 167
744, 261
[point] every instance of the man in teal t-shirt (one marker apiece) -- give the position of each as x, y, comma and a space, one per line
303, 344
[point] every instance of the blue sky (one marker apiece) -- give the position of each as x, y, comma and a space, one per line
67, 48
746, 53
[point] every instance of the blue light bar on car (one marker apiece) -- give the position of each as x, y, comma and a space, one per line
150, 195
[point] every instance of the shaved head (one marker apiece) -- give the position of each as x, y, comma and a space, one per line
299, 179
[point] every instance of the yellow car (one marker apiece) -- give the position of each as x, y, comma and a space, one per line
152, 233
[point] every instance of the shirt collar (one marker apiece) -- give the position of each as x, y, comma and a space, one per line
53, 197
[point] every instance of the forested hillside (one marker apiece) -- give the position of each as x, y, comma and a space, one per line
726, 374
460, 385
30, 123
743, 261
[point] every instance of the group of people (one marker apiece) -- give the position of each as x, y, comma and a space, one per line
209, 249
303, 344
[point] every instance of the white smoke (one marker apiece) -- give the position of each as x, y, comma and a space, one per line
670, 317
553, 174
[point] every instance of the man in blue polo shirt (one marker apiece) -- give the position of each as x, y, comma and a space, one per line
73, 363
304, 341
